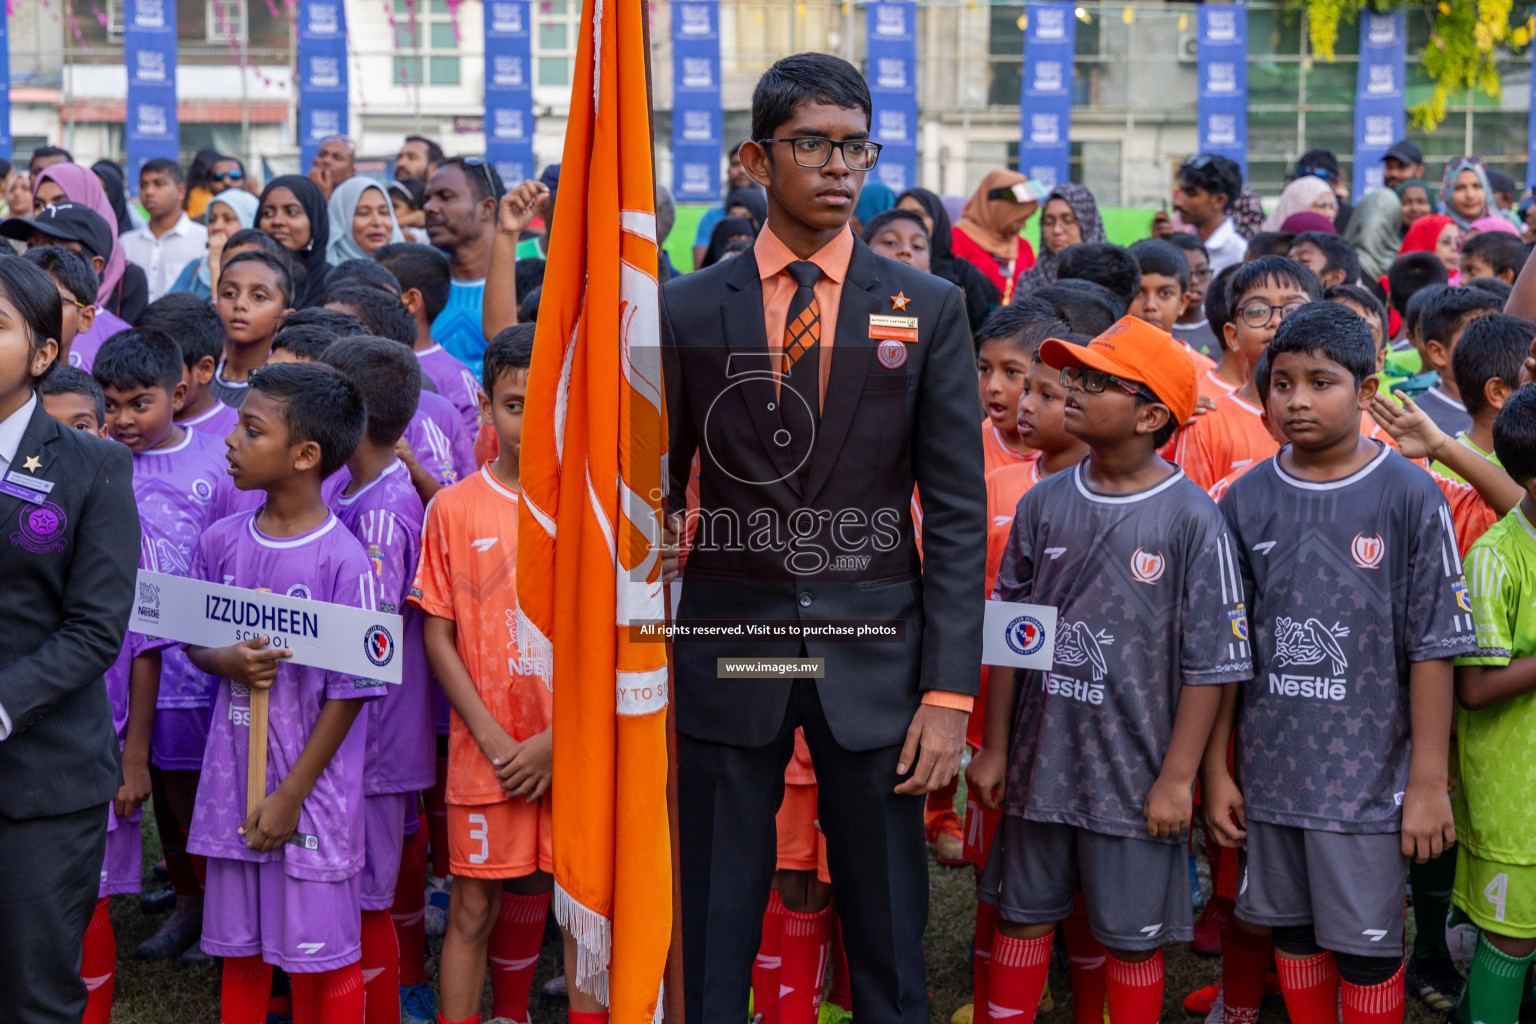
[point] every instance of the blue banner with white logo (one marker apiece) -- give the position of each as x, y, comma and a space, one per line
150, 128
698, 118
1221, 52
1379, 116
891, 27
509, 90
1045, 106
5, 85
322, 75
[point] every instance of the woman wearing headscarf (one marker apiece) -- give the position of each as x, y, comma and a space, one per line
230, 211
1376, 231
1418, 200
748, 203
124, 289
293, 212
1438, 233
987, 233
1069, 217
1493, 222
731, 229
111, 177
1465, 192
362, 221
981, 295
1307, 194
874, 198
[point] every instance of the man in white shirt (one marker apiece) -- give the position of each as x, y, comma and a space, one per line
1207, 185
164, 246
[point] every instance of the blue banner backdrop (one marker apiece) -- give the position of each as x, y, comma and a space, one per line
322, 75
1045, 106
509, 90
1222, 62
1379, 117
150, 126
5, 86
891, 27
698, 119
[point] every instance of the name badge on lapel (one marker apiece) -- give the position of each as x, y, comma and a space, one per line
892, 328
26, 488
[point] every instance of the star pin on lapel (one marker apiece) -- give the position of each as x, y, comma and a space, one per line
899, 301
32, 464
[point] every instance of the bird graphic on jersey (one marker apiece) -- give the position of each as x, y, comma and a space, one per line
1308, 643
170, 559
1077, 645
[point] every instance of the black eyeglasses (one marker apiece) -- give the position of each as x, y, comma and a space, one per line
815, 151
1095, 381
236, 175
1261, 314
485, 169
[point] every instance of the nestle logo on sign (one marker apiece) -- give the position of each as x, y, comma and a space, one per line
891, 73
697, 126
1381, 30
507, 71
1383, 80
1048, 76
324, 19
890, 20
508, 124
1221, 77
893, 126
1220, 27
1379, 131
1050, 24
323, 123
150, 66
506, 18
152, 120
149, 14
693, 19
1044, 128
1221, 130
325, 72
149, 602
698, 73
696, 177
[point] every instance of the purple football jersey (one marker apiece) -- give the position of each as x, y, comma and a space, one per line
455, 382
116, 676
386, 516
229, 500
438, 437
175, 490
216, 421
1148, 601
325, 564
82, 351
1348, 582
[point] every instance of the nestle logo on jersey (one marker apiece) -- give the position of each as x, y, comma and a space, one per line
1334, 691
1074, 689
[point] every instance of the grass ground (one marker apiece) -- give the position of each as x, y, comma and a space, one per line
168, 993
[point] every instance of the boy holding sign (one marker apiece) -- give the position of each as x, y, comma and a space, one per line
1138, 564
382, 510
284, 878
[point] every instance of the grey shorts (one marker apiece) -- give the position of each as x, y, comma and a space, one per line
1348, 886
1136, 890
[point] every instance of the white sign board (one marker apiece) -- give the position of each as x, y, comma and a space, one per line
1019, 635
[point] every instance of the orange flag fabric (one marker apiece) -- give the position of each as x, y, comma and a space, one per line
593, 479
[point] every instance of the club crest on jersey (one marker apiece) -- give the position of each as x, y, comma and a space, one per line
1367, 551
299, 591
892, 354
1238, 617
1147, 567
376, 558
379, 645
1459, 588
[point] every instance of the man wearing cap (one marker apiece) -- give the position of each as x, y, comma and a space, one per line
1139, 565
1402, 162
84, 231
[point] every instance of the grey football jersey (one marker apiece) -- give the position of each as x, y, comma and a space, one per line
1348, 582
1148, 599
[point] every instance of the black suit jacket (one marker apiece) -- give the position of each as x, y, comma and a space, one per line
67, 568
831, 539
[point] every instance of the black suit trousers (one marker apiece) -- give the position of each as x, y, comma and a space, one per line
727, 799
52, 869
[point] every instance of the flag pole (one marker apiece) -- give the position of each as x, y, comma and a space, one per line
672, 980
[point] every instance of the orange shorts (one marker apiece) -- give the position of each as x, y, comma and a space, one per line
980, 826
802, 846
507, 839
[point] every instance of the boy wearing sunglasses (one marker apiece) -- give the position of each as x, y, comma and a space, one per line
1097, 786
1261, 294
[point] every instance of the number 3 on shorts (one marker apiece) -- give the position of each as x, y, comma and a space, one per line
1495, 892
479, 829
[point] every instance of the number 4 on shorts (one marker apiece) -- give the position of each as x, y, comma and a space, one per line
1497, 893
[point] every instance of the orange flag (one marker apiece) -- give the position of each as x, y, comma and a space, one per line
593, 445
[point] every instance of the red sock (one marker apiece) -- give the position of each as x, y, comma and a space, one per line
329, 997
1374, 1004
1246, 959
765, 968
437, 820
804, 952
1015, 979
409, 911
1311, 988
380, 968
1134, 991
981, 957
473, 1020
98, 965
842, 984
599, 1017
244, 989
514, 950
1086, 964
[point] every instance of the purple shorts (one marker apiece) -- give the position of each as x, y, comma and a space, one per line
303, 927
122, 869
383, 839
178, 739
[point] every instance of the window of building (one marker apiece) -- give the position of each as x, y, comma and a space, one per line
225, 21
554, 41
428, 34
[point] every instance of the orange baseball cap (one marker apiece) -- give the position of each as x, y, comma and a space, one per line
1134, 350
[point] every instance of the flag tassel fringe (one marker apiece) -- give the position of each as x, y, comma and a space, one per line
594, 942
